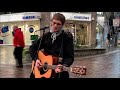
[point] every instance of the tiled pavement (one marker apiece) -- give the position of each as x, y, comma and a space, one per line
99, 66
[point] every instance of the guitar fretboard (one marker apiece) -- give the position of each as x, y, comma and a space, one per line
55, 66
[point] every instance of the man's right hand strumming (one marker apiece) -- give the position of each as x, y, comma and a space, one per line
38, 64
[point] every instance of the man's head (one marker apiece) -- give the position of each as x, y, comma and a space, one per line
15, 27
14, 30
57, 22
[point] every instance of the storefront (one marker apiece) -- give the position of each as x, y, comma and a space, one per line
79, 25
29, 22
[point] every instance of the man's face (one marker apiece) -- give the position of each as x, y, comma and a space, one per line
14, 28
56, 25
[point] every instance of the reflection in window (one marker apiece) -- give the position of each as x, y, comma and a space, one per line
81, 34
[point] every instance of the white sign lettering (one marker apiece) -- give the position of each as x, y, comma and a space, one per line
75, 16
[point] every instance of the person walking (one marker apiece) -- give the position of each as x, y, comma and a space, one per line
19, 44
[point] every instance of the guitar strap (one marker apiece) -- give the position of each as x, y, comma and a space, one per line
61, 52
61, 48
37, 52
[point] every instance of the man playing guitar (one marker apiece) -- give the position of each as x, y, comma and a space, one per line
57, 43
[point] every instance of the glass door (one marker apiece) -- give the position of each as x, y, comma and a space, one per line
81, 34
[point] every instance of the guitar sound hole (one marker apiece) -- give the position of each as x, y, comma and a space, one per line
44, 69
45, 66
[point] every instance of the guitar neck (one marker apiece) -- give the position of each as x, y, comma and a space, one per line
55, 66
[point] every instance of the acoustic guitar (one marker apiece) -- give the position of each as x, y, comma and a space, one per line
47, 62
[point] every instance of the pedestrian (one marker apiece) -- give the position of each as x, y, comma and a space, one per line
57, 43
19, 44
109, 38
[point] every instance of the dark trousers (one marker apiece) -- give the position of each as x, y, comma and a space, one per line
18, 55
64, 74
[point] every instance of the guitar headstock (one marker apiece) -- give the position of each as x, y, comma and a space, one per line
79, 70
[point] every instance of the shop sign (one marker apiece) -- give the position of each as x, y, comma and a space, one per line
81, 17
25, 16
116, 22
75, 16
31, 17
31, 28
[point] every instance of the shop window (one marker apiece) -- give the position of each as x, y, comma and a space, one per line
81, 34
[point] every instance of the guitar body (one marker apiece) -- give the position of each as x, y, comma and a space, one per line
44, 59
49, 60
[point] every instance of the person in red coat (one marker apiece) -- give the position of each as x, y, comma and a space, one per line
19, 44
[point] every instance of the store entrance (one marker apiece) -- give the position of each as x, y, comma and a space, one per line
79, 32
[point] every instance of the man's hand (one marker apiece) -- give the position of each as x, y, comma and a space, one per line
58, 69
38, 64
18, 45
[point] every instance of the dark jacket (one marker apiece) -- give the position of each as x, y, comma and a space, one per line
109, 35
54, 49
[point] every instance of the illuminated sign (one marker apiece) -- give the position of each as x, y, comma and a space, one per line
31, 17
5, 29
81, 17
31, 28
25, 16
28, 17
116, 22
75, 16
